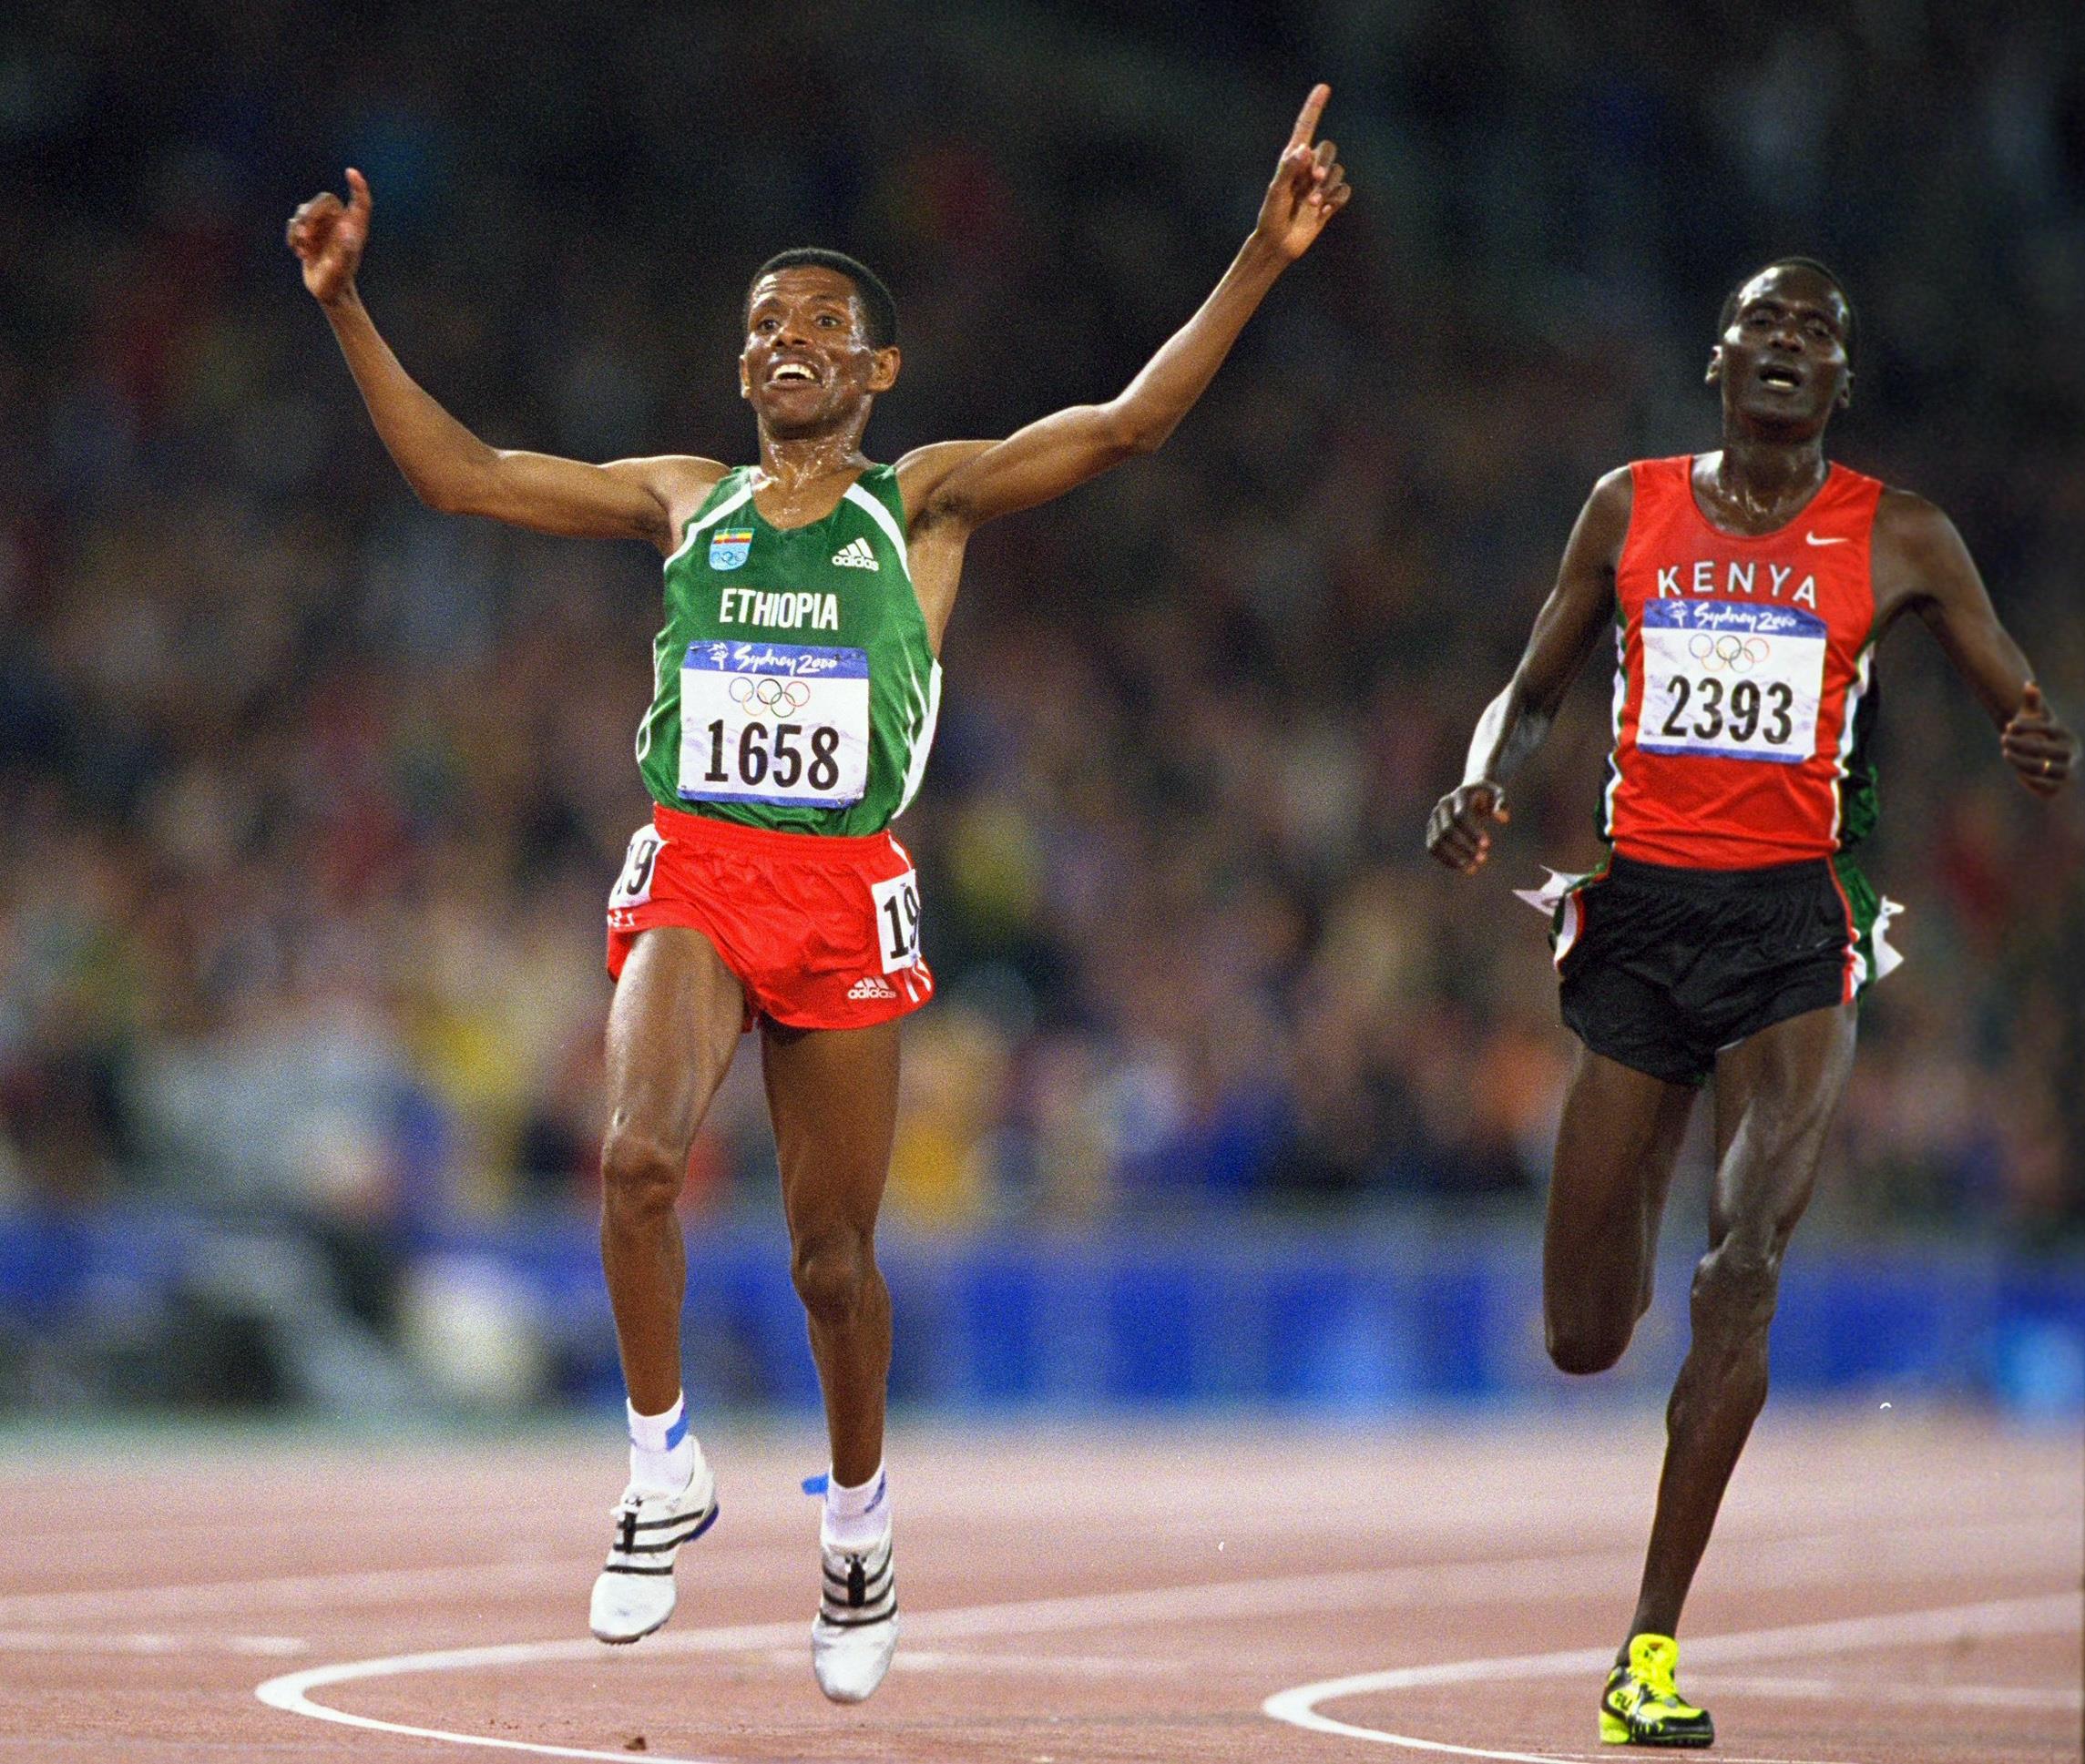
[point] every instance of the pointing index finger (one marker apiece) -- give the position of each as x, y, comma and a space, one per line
1307, 117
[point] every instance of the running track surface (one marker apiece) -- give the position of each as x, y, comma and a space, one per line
1886, 1587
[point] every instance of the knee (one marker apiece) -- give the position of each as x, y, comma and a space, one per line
1582, 1349
639, 1174
1737, 1285
832, 1270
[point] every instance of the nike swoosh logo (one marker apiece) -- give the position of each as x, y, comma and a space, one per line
1814, 539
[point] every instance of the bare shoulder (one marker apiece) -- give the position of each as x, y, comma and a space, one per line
681, 482
1614, 494
1603, 524
923, 472
674, 478
1916, 547
1919, 560
1904, 518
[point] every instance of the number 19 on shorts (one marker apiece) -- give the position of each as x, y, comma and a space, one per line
897, 921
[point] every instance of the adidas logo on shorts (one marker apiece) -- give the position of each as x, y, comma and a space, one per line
869, 986
855, 555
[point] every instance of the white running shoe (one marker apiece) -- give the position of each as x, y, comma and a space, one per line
634, 1594
856, 1629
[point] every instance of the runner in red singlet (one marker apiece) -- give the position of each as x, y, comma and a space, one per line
1729, 932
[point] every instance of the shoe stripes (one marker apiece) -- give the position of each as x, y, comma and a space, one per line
647, 1544
860, 1587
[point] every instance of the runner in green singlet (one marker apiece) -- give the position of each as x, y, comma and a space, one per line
795, 690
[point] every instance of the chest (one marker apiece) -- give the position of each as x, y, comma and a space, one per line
839, 578
1809, 582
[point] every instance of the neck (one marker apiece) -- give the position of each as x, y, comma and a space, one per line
1756, 473
793, 462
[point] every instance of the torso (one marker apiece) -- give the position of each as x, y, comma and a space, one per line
1743, 685
800, 657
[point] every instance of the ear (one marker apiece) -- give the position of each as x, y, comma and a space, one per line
1846, 392
745, 379
1715, 373
884, 370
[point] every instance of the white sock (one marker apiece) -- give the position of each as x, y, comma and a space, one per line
856, 1518
663, 1454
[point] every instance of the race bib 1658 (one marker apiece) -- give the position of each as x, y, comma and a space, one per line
774, 722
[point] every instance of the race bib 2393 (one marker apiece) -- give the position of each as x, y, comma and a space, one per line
1730, 682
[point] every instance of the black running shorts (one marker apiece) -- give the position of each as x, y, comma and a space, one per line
1663, 968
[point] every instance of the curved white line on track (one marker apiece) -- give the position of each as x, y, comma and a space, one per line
289, 1691
1779, 1563
2056, 1613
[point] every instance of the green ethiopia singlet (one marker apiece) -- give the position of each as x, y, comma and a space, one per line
795, 688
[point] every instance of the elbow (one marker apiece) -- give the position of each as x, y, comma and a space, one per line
1132, 432
1140, 438
448, 494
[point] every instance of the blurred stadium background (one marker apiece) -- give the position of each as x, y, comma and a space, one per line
311, 796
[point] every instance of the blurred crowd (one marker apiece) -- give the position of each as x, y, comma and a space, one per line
312, 797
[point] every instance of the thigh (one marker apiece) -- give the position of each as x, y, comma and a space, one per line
1776, 1094
833, 1097
673, 1029
1616, 1148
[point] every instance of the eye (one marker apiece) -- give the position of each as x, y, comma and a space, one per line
765, 325
828, 321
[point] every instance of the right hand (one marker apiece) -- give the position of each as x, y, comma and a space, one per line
1456, 830
328, 237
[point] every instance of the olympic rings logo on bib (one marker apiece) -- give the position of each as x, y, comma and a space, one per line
761, 695
781, 723
1739, 655
1724, 681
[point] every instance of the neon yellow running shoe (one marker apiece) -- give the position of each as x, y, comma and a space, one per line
1643, 1706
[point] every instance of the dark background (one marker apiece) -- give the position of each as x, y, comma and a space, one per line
311, 796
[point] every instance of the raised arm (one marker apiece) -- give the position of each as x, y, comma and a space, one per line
963, 484
1920, 562
1515, 723
449, 467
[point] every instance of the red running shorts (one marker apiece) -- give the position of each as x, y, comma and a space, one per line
823, 933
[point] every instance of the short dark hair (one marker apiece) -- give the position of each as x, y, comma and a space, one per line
877, 306
1831, 275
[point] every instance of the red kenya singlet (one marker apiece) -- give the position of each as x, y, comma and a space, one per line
1742, 698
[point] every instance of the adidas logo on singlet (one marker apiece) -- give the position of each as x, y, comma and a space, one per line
870, 986
855, 555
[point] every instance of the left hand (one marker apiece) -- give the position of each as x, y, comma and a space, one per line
1310, 186
2037, 747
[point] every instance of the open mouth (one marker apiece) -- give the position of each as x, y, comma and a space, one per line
1780, 379
792, 373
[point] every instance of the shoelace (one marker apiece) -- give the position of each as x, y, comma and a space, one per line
1658, 1675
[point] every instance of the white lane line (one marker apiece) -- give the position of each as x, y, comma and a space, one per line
456, 1582
2015, 1543
1788, 1562
1278, 1596
74, 1641
2054, 1613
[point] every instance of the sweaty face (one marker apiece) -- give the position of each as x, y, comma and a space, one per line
1781, 360
807, 364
